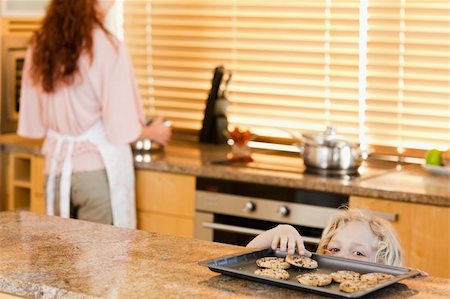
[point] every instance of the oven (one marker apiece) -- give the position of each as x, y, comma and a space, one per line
16, 34
235, 212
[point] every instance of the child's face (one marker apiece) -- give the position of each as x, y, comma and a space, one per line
355, 240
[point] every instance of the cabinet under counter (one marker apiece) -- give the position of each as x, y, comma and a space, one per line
423, 230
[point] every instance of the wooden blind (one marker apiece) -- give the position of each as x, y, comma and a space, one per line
175, 46
296, 65
408, 74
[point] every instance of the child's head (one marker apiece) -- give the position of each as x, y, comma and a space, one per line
351, 234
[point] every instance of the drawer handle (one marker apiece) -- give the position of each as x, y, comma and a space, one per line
249, 231
232, 228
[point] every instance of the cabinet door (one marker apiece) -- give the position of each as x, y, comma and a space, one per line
4, 180
165, 202
165, 224
19, 181
424, 231
37, 204
25, 183
166, 193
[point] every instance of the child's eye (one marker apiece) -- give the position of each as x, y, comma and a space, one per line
358, 253
334, 250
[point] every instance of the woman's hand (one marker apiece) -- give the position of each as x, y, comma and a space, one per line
158, 130
284, 236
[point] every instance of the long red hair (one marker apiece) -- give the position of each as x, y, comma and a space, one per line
65, 33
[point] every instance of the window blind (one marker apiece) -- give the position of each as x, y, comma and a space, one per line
175, 46
408, 79
296, 64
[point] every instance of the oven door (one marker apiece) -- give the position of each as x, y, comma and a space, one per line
13, 56
239, 230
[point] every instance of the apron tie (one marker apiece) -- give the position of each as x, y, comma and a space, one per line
118, 161
66, 171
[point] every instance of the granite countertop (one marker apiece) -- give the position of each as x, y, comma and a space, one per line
50, 257
388, 180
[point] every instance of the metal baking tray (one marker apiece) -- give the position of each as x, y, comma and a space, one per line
244, 265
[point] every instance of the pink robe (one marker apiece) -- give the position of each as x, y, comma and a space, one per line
104, 89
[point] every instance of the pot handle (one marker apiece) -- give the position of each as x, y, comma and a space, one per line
301, 149
299, 137
295, 135
363, 153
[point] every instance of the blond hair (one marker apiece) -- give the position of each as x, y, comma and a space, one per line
389, 251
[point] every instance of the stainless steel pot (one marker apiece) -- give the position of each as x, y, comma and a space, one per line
329, 151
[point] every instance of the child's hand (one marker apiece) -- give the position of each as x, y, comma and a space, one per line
287, 238
421, 273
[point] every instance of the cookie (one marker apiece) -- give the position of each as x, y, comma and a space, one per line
273, 273
343, 275
375, 277
314, 279
352, 286
301, 261
272, 263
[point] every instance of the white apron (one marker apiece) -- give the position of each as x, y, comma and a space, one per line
118, 160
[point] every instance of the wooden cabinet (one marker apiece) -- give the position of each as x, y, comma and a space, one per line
38, 196
424, 231
25, 183
165, 202
8, 296
15, 37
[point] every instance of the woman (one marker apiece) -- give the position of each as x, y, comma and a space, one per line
79, 92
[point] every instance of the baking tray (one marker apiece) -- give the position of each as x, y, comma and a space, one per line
244, 265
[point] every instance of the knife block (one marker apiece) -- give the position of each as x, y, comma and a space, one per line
215, 121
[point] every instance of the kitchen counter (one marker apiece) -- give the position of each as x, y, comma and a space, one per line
400, 182
50, 257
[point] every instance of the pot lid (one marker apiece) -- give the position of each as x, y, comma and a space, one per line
328, 138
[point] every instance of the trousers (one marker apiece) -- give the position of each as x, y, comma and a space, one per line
89, 197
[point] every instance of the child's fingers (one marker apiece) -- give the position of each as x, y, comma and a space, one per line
423, 273
275, 242
301, 248
307, 253
283, 243
291, 246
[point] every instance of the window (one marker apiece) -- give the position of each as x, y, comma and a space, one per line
408, 74
300, 65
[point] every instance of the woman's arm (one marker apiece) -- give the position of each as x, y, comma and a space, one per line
283, 236
31, 122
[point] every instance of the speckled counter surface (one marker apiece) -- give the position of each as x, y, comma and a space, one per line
51, 257
408, 183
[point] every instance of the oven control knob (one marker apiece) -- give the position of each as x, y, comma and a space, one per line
249, 206
283, 211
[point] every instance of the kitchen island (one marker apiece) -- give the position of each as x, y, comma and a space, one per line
50, 257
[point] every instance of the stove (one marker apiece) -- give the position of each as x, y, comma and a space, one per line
234, 211
333, 172
293, 163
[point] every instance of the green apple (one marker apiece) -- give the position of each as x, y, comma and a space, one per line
434, 157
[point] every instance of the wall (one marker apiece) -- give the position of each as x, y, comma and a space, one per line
23, 8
